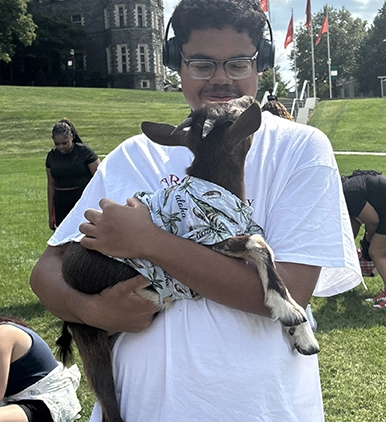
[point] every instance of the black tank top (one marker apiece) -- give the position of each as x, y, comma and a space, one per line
32, 367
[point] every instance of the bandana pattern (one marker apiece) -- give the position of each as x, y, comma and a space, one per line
197, 210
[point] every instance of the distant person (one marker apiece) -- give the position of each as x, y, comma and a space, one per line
271, 96
365, 193
278, 109
34, 387
70, 166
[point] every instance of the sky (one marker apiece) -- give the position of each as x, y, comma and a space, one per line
280, 14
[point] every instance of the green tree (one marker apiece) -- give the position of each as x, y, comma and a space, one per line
16, 24
44, 62
266, 82
346, 37
372, 55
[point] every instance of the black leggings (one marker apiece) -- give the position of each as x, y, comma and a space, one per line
64, 201
36, 410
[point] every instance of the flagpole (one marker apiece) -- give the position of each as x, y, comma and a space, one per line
313, 59
328, 54
309, 26
296, 69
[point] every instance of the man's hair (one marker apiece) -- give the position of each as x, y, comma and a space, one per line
242, 15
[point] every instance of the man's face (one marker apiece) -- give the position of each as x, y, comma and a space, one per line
217, 44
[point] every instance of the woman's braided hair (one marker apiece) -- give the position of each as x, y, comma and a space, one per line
66, 127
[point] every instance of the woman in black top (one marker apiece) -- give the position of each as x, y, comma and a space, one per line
365, 194
34, 387
70, 166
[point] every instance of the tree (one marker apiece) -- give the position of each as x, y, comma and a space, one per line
16, 24
44, 62
372, 55
346, 37
266, 82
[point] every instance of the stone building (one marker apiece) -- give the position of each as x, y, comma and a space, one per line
122, 42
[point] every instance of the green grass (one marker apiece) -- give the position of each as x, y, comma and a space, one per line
353, 125
351, 335
103, 120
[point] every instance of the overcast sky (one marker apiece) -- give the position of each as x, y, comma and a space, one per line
280, 14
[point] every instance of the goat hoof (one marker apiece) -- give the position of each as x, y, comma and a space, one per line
311, 350
302, 339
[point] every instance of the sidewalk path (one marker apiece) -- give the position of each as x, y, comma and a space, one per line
359, 153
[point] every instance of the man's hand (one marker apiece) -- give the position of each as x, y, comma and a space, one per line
119, 230
120, 308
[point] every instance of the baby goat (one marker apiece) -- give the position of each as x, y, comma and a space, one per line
220, 136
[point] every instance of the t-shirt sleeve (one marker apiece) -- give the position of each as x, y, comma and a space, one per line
89, 155
305, 223
308, 221
69, 228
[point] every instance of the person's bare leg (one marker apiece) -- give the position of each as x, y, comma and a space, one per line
355, 225
377, 252
12, 413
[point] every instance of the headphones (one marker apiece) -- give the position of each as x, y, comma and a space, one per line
171, 56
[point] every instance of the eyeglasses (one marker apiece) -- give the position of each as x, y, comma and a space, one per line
236, 69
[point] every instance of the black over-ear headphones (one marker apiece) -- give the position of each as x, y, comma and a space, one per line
172, 57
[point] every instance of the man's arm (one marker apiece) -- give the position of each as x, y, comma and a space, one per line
129, 232
115, 309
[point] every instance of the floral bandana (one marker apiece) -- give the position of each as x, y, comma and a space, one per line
197, 210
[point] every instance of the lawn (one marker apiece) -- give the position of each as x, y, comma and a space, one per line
350, 333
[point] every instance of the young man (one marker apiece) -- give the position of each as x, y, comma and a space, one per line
221, 358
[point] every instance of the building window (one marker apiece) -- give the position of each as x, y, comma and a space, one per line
108, 58
120, 16
123, 58
77, 19
157, 60
140, 16
144, 84
107, 18
143, 62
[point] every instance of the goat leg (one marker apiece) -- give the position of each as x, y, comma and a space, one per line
277, 297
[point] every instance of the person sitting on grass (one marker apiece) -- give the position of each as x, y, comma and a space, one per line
34, 387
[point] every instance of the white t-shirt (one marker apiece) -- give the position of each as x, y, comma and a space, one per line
202, 361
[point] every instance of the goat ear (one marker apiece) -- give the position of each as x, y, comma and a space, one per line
248, 123
163, 134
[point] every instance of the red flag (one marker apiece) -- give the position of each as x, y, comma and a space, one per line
308, 14
323, 30
290, 32
264, 5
